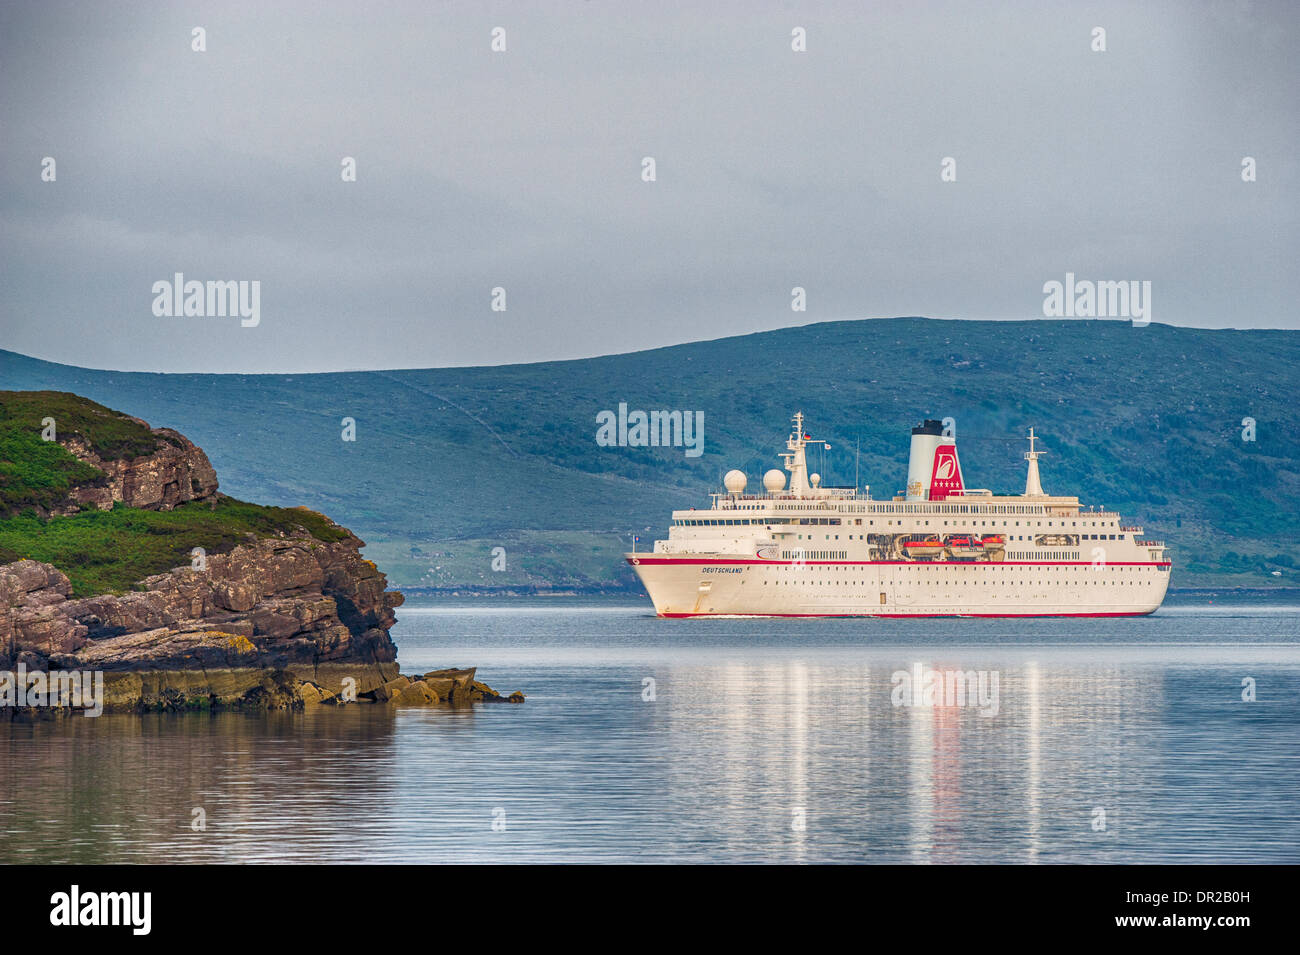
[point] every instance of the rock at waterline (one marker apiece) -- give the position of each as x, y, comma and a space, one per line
275, 610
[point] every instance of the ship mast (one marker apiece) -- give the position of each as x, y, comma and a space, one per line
796, 460
1033, 486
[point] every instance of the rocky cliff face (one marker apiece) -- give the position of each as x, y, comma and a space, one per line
282, 601
317, 610
177, 471
283, 619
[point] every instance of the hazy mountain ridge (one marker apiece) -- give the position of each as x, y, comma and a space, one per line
449, 463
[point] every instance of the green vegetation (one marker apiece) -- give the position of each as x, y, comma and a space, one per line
38, 473
109, 551
111, 434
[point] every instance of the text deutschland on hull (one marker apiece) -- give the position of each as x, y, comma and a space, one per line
941, 549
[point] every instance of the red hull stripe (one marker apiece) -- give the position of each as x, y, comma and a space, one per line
903, 563
1127, 613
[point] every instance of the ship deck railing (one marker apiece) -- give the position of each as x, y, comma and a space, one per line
824, 494
724, 500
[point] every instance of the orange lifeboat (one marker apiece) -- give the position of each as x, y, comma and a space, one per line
930, 547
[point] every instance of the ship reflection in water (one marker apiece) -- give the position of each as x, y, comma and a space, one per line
644, 740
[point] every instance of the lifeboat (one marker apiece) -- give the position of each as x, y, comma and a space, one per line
995, 546
931, 547
963, 546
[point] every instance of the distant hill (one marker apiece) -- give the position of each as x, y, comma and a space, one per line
450, 463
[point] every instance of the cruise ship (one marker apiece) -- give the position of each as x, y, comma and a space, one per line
939, 549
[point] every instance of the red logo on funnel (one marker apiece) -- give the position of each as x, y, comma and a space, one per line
946, 478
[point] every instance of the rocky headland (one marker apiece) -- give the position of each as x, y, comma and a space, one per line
267, 608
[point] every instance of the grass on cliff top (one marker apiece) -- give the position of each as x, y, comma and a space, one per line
111, 434
39, 473
109, 551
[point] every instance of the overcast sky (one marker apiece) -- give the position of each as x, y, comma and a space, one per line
523, 170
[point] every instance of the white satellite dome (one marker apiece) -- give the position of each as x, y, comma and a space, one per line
814, 479
774, 480
734, 481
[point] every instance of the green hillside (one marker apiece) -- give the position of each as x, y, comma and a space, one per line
109, 551
449, 463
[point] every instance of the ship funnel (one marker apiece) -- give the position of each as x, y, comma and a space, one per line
933, 471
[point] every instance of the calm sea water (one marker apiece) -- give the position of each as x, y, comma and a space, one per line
772, 740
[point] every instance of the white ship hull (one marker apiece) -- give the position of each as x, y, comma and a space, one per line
811, 551
696, 587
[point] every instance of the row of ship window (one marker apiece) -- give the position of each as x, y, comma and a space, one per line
943, 565
959, 582
844, 555
903, 508
836, 522
1014, 537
